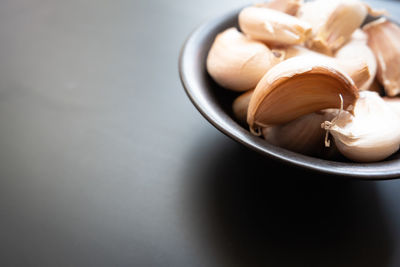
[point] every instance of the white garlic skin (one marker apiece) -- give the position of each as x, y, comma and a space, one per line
272, 26
394, 103
237, 62
372, 134
240, 106
355, 50
384, 40
303, 135
333, 22
289, 7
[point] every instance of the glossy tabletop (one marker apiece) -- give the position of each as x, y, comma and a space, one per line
104, 161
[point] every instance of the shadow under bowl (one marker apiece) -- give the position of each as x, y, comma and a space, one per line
214, 103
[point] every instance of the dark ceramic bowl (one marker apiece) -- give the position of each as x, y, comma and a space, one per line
214, 103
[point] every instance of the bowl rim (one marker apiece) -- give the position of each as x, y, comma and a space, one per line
224, 123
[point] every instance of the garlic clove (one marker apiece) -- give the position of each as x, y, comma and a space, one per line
298, 50
298, 86
384, 40
356, 68
359, 36
240, 106
357, 52
394, 103
303, 135
333, 22
371, 134
286, 6
237, 62
273, 27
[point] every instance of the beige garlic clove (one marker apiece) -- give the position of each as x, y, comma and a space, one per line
371, 134
359, 36
240, 106
356, 68
286, 6
357, 51
303, 135
384, 40
298, 50
296, 87
273, 27
394, 103
237, 62
333, 22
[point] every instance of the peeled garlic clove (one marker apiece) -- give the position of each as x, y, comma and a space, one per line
371, 134
286, 6
333, 22
394, 103
356, 68
384, 40
237, 62
358, 51
273, 27
298, 86
240, 106
303, 135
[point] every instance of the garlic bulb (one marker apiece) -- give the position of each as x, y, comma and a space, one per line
333, 22
371, 134
287, 6
298, 86
240, 106
303, 135
273, 27
357, 50
384, 40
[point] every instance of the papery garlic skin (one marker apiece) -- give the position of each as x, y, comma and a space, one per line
303, 135
237, 62
357, 50
296, 87
384, 40
333, 22
371, 134
359, 36
286, 6
358, 68
273, 27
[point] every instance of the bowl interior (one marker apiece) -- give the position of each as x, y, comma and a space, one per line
215, 103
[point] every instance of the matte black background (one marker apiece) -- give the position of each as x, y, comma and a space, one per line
105, 162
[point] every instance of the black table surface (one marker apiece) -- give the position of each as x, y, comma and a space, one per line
105, 162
